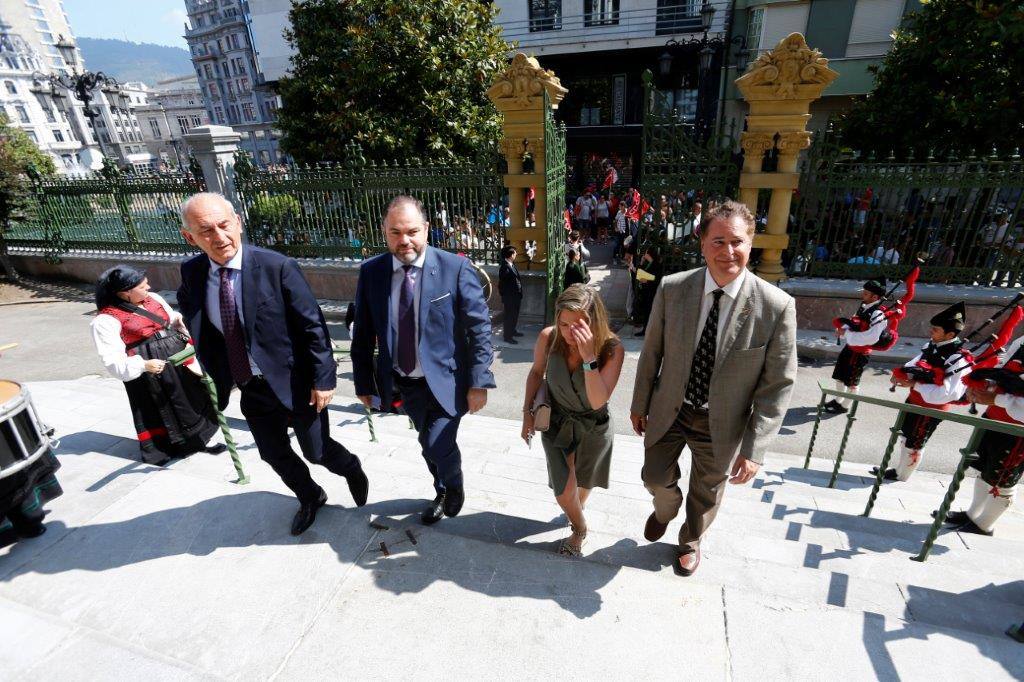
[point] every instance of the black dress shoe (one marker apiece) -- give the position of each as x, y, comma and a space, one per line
30, 530
359, 486
834, 407
435, 512
691, 561
957, 518
971, 527
453, 499
518, 334
890, 474
216, 448
306, 515
654, 528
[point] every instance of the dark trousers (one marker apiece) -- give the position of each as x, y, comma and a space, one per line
708, 475
511, 324
269, 420
437, 432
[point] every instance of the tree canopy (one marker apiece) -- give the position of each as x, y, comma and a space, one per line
18, 156
402, 78
950, 83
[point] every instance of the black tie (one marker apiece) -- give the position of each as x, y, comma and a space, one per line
703, 365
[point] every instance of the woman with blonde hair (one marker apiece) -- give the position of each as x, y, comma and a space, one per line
579, 359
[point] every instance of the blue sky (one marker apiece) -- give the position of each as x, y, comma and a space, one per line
143, 21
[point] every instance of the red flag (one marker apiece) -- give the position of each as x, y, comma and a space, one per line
610, 178
990, 357
638, 206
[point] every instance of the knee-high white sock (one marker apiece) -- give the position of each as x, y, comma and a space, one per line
987, 508
846, 402
908, 461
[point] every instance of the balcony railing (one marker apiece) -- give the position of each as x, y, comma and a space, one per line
631, 24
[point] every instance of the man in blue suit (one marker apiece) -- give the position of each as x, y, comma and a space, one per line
256, 324
423, 311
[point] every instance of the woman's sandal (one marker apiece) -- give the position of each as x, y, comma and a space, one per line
568, 549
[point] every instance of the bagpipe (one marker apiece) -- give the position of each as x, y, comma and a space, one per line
893, 315
978, 360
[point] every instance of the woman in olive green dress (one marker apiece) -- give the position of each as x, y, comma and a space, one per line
580, 359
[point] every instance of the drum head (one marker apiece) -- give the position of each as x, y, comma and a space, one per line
9, 390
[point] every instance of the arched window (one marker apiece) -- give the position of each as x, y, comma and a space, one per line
10, 87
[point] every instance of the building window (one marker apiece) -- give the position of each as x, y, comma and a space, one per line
58, 136
231, 88
600, 12
155, 127
183, 124
243, 85
22, 114
208, 71
247, 112
545, 15
32, 136
213, 89
196, 121
755, 20
264, 157
218, 114
10, 87
50, 118
681, 103
677, 16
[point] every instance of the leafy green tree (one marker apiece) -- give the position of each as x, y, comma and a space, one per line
950, 83
402, 78
19, 156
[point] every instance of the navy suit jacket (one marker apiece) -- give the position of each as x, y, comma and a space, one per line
454, 330
285, 330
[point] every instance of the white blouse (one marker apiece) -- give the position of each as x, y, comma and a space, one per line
106, 334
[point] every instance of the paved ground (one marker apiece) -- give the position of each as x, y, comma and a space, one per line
177, 574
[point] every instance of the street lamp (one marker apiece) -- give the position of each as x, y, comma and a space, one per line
81, 84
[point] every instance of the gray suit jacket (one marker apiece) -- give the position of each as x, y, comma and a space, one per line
754, 369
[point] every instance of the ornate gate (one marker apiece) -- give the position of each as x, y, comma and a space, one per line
554, 196
682, 164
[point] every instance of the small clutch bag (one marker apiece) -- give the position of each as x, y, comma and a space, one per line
541, 409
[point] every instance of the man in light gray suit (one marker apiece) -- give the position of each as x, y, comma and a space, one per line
716, 373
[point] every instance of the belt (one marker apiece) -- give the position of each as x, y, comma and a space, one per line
402, 380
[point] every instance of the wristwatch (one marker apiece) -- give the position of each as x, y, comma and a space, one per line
589, 366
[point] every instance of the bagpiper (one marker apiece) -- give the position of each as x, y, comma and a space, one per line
935, 378
1000, 460
861, 332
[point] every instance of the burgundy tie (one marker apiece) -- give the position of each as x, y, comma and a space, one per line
231, 325
407, 324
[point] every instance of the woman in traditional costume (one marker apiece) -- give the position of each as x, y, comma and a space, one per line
135, 331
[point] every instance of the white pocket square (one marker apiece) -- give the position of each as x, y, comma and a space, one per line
440, 298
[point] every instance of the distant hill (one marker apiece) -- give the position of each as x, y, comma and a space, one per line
128, 61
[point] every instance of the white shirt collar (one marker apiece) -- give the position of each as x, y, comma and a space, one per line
869, 306
234, 264
418, 263
732, 289
940, 344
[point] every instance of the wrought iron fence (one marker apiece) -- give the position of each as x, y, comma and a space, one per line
335, 210
107, 211
554, 184
961, 219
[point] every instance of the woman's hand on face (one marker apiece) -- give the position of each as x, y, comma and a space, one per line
584, 340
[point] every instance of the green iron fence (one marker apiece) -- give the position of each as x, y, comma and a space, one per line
682, 165
108, 211
962, 219
967, 454
554, 182
334, 210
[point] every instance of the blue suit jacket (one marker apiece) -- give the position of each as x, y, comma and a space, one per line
454, 329
285, 330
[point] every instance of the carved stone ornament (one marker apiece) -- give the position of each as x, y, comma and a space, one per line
756, 143
790, 71
793, 142
535, 147
524, 80
513, 147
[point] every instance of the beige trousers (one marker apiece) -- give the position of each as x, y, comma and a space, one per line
661, 476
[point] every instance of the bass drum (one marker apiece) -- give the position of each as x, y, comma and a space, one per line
23, 439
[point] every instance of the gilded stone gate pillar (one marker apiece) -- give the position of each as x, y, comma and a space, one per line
518, 93
779, 86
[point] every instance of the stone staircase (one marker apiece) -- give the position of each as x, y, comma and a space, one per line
181, 569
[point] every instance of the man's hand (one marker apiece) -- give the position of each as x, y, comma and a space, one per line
477, 398
841, 331
982, 397
320, 399
743, 470
905, 383
639, 423
366, 400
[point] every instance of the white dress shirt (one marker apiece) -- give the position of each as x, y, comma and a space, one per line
873, 333
725, 305
952, 388
106, 335
213, 295
397, 278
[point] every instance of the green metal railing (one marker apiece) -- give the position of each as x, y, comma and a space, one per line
107, 211
967, 454
554, 183
334, 210
856, 216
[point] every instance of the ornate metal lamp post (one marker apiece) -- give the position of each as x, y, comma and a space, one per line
82, 85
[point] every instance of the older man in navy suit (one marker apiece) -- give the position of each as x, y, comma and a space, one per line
256, 324
423, 311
